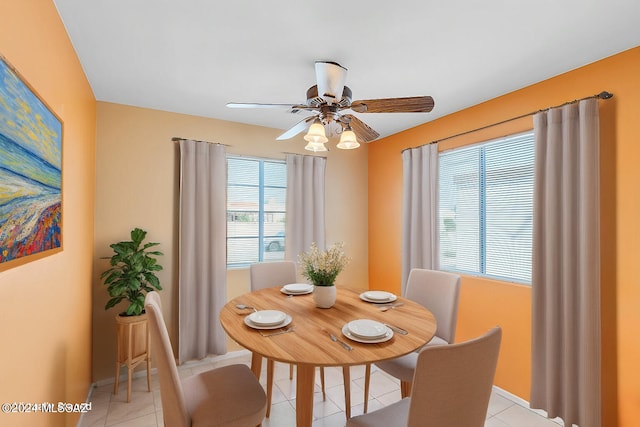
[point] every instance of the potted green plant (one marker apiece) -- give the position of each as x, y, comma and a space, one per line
322, 268
132, 272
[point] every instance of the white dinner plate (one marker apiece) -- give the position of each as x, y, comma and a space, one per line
378, 296
298, 288
282, 324
348, 334
367, 329
267, 317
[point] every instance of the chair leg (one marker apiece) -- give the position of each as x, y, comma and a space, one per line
324, 393
367, 380
290, 371
405, 389
148, 373
347, 391
270, 366
148, 356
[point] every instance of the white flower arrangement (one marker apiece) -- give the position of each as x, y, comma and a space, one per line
322, 267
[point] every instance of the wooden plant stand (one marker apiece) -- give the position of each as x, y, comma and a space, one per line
133, 348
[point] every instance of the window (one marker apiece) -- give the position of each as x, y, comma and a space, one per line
486, 208
256, 195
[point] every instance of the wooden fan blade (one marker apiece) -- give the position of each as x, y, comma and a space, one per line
363, 132
412, 104
297, 128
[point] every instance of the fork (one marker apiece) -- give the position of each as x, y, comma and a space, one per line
342, 343
283, 331
389, 307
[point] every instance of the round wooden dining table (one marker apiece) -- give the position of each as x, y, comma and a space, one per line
310, 345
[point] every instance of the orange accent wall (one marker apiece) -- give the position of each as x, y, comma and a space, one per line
485, 303
45, 305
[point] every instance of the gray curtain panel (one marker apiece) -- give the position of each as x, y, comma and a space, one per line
419, 209
305, 204
566, 265
203, 249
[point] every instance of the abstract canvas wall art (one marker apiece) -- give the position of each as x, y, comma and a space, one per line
30, 172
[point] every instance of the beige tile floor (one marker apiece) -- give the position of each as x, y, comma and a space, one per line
145, 408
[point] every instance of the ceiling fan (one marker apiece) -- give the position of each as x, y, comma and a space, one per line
328, 98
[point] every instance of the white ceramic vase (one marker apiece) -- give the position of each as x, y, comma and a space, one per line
324, 296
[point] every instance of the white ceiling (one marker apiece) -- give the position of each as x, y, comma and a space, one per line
194, 56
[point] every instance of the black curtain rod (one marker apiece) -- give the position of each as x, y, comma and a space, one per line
601, 95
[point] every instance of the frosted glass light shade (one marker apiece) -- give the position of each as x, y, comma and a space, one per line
316, 133
315, 146
348, 140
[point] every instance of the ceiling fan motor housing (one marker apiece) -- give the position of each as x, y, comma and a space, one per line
314, 100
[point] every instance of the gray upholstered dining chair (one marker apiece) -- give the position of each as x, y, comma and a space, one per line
229, 396
451, 387
439, 292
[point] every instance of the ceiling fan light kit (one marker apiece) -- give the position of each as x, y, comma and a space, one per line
327, 98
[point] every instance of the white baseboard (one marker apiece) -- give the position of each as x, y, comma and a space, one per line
86, 401
520, 401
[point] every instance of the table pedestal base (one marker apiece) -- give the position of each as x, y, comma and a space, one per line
304, 395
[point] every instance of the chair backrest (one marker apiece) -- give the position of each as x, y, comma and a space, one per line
439, 292
269, 274
174, 409
452, 383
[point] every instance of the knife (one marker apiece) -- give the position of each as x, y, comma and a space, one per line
343, 344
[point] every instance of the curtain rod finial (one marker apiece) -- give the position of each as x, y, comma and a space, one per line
605, 95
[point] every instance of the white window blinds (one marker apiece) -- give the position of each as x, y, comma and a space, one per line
256, 195
486, 208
